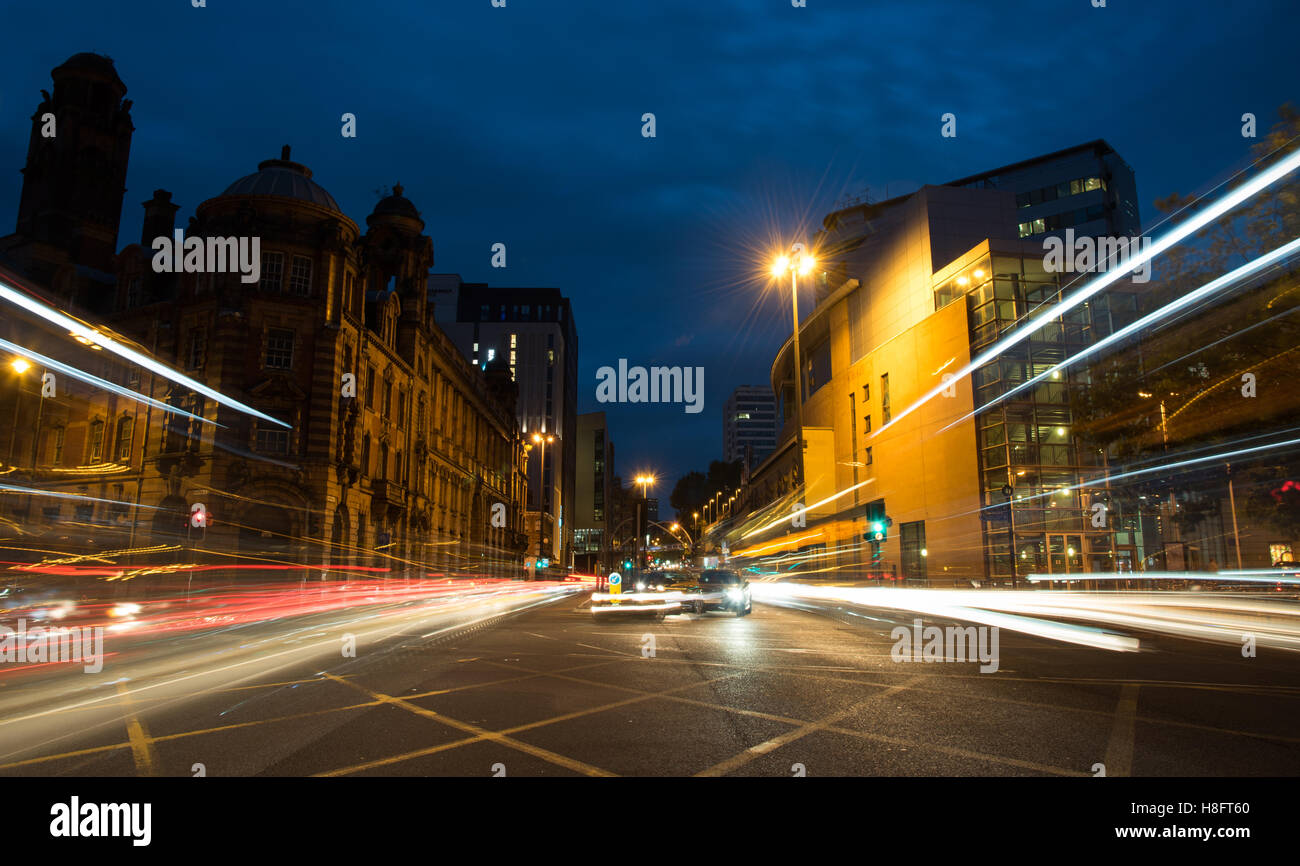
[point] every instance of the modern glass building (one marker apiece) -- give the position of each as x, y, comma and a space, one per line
965, 485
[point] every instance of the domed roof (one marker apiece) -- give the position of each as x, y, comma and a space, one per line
281, 177
395, 205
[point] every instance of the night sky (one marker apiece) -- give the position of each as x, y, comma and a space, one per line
522, 125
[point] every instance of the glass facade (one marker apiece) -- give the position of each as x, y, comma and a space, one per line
1027, 442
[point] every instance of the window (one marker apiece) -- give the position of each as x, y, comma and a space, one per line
866, 423
198, 349
95, 446
868, 461
349, 304
885, 414
272, 440
59, 434
125, 429
370, 388
279, 349
912, 537
388, 398
300, 276
272, 272
134, 293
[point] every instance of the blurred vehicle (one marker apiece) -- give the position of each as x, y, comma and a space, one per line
656, 593
37, 601
724, 589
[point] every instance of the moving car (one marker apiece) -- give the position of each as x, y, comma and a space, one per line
723, 589
657, 593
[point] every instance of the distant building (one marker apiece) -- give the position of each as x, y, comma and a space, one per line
593, 488
749, 419
532, 333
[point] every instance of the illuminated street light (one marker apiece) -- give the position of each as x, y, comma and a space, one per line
541, 494
20, 365
799, 261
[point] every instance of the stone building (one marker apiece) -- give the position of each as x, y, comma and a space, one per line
392, 450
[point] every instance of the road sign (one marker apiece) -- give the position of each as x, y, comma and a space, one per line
615, 583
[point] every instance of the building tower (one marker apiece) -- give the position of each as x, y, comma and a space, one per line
73, 183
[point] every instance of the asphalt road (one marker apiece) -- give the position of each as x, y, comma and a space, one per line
549, 691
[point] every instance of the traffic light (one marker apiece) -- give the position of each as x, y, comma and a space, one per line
878, 522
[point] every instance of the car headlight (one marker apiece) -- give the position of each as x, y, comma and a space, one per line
640, 587
735, 594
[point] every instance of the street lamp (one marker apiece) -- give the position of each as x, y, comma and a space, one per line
541, 440
799, 261
645, 481
19, 365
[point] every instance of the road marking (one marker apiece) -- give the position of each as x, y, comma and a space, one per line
740, 760
527, 748
419, 753
137, 735
1119, 753
296, 716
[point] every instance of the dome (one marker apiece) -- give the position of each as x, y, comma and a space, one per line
395, 205
281, 177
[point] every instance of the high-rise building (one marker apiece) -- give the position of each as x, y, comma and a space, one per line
532, 333
749, 424
910, 291
593, 488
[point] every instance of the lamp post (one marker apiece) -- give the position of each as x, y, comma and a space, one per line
541, 440
20, 366
799, 261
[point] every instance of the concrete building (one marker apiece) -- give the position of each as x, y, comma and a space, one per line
749, 424
909, 291
594, 497
533, 333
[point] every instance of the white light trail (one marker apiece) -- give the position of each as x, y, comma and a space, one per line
79, 329
81, 376
1183, 230
1250, 268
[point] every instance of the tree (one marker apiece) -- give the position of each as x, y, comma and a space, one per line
1216, 377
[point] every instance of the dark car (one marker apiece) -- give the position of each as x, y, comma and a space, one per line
724, 589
